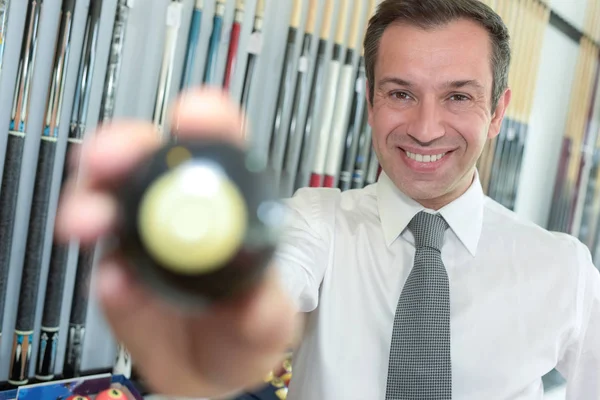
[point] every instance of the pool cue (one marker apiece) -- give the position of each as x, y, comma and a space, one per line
361, 164
515, 25
25, 318
254, 49
569, 143
484, 164
358, 165
285, 97
77, 131
579, 133
562, 186
39, 210
14, 151
542, 18
3, 271
591, 240
161, 106
86, 70
76, 330
596, 23
331, 91
192, 44
583, 170
358, 117
512, 123
354, 129
372, 168
592, 237
508, 129
554, 220
592, 20
318, 97
350, 85
582, 128
115, 59
581, 195
301, 102
3, 20
518, 121
215, 39
234, 42
122, 365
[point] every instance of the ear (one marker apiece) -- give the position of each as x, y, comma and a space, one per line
498, 114
368, 102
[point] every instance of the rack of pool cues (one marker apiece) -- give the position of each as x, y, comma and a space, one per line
69, 66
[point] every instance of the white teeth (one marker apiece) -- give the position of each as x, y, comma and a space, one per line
422, 158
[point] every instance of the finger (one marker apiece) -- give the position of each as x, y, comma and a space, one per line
112, 153
85, 215
208, 113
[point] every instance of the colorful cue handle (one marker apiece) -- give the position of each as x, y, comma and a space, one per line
21, 357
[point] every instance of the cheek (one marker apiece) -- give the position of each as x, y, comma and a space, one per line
383, 123
473, 131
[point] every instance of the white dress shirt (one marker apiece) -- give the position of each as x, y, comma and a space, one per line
523, 300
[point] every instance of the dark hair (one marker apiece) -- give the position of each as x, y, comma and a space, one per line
427, 14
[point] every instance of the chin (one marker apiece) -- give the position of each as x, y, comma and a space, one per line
423, 191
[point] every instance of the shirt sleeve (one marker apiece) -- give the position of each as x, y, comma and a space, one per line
580, 364
303, 253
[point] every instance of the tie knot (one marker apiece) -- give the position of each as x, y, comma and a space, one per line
428, 230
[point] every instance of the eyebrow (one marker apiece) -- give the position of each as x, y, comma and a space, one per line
467, 82
449, 84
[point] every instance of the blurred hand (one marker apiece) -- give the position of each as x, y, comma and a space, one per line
228, 347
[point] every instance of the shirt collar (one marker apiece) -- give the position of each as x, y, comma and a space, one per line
464, 215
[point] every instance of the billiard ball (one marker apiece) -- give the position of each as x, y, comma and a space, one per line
198, 223
111, 394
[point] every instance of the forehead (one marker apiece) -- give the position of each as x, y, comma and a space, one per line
459, 50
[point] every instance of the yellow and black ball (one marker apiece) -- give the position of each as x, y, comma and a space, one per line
198, 224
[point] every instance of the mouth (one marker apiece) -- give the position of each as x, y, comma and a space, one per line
425, 158
425, 162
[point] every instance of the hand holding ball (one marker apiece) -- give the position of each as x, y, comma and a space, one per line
199, 225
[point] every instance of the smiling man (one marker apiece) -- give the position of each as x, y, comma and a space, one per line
418, 287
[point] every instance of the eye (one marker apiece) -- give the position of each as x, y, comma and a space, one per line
459, 97
400, 95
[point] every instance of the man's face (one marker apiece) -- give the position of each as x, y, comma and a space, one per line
431, 113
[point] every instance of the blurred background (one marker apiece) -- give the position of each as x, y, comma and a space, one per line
296, 68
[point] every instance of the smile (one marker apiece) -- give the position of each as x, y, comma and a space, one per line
424, 158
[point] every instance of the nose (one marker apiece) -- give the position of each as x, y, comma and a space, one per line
425, 123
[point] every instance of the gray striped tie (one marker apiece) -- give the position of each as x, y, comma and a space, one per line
420, 363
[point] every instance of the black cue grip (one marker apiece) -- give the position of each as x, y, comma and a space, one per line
49, 332
76, 334
35, 237
33, 261
8, 203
